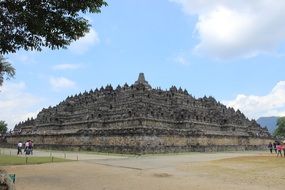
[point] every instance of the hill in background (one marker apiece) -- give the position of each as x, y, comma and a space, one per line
269, 122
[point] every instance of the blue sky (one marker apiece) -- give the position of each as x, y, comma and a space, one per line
231, 50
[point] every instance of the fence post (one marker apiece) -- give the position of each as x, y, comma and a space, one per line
51, 159
77, 157
64, 155
27, 160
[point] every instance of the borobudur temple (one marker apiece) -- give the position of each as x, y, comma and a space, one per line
141, 119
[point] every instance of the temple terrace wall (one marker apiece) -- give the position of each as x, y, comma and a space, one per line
141, 144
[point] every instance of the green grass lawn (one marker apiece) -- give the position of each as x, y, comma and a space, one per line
20, 160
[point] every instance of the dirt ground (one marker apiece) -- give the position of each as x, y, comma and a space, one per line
197, 171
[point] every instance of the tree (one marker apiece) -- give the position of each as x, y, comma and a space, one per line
280, 130
33, 24
3, 127
5, 69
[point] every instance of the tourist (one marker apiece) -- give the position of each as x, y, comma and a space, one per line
274, 147
27, 150
31, 146
283, 148
20, 146
279, 148
270, 146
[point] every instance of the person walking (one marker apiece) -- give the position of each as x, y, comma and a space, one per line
270, 146
283, 146
27, 150
19, 147
274, 147
31, 146
279, 149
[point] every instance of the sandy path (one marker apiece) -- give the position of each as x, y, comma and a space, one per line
201, 171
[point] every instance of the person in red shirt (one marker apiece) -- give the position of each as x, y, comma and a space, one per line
279, 148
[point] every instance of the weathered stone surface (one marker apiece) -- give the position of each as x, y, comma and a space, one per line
140, 119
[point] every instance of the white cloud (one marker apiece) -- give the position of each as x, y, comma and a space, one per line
66, 66
16, 104
237, 28
272, 104
59, 83
23, 57
85, 43
181, 59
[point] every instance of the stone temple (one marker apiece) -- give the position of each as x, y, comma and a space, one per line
141, 119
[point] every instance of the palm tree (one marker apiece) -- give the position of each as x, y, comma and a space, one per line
5, 69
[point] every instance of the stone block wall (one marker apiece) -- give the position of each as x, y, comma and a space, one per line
140, 143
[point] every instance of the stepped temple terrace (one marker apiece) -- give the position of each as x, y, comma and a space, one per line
140, 119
